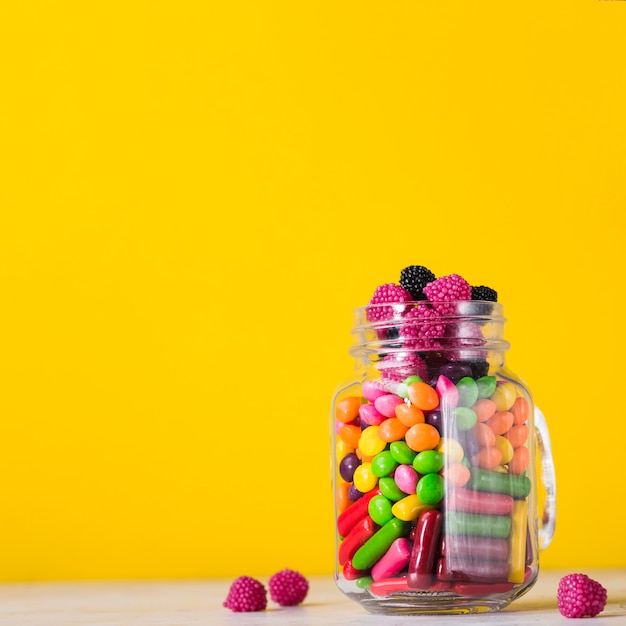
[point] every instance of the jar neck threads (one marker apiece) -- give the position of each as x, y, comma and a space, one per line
419, 338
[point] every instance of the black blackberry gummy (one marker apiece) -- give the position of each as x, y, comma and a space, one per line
484, 293
479, 368
414, 278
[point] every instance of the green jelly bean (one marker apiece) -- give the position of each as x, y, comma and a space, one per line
364, 582
465, 417
517, 486
379, 509
498, 526
383, 464
486, 386
389, 489
401, 452
468, 391
412, 379
430, 489
376, 546
428, 462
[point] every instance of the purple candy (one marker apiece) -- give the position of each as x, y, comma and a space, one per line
354, 494
348, 465
455, 371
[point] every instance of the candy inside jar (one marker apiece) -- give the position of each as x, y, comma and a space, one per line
434, 479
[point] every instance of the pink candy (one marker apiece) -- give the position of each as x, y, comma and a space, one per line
370, 416
406, 478
386, 405
447, 391
394, 560
371, 390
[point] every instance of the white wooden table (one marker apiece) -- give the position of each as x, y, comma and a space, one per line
199, 602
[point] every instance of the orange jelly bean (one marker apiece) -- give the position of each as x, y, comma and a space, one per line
409, 414
517, 435
343, 501
423, 396
519, 463
456, 474
422, 437
392, 429
520, 410
350, 434
347, 410
484, 409
487, 458
483, 434
501, 422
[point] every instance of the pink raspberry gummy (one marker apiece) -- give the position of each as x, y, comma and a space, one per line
387, 293
580, 596
288, 587
395, 367
246, 594
421, 328
447, 289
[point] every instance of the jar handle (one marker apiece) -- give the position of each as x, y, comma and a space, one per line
548, 515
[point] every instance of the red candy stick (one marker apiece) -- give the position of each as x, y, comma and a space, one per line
354, 513
471, 501
351, 573
422, 562
481, 589
363, 530
385, 586
472, 571
471, 547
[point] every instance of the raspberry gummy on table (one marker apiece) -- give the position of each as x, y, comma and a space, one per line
434, 454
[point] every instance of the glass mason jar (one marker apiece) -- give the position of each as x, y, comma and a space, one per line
435, 452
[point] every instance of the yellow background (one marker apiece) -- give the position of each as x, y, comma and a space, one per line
195, 195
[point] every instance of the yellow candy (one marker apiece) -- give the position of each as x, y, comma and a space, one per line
409, 508
504, 396
342, 449
505, 447
370, 444
364, 479
517, 542
451, 449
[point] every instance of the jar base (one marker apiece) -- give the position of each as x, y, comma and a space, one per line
416, 602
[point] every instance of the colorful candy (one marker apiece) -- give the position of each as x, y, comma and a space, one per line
379, 509
423, 396
498, 482
394, 560
383, 464
430, 489
432, 458
422, 437
369, 442
354, 513
406, 478
470, 501
395, 470
469, 547
357, 536
409, 508
517, 542
364, 478
424, 552
472, 571
374, 548
386, 405
498, 526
